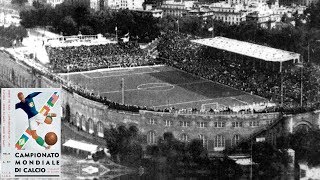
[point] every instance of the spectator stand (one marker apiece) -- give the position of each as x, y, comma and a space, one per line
78, 40
254, 51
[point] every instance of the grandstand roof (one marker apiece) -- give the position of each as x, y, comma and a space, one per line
80, 145
249, 49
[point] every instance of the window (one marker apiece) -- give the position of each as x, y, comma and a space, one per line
254, 123
219, 124
151, 137
100, 129
184, 123
168, 123
202, 124
78, 120
236, 124
184, 138
269, 122
219, 141
91, 126
235, 139
83, 122
204, 140
152, 121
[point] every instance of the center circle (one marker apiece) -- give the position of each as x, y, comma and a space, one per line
155, 87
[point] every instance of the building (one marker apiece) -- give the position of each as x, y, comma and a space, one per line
265, 20
231, 14
9, 17
176, 8
53, 3
96, 5
157, 13
307, 2
125, 4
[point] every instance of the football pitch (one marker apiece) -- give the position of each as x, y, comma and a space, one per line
159, 87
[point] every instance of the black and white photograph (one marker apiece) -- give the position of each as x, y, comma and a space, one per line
162, 89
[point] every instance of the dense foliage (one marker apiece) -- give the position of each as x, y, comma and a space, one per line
271, 160
183, 157
124, 144
72, 18
11, 33
19, 2
307, 146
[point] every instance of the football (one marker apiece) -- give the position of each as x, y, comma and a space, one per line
51, 138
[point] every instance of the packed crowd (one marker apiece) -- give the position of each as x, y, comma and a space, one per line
250, 75
80, 58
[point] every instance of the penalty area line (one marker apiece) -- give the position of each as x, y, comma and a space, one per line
86, 76
244, 102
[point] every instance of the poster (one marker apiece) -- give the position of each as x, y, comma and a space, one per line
31, 131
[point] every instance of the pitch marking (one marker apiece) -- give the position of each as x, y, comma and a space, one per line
187, 102
238, 100
86, 76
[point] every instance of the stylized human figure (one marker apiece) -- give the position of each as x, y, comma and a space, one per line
34, 118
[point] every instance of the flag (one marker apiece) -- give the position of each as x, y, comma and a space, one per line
210, 29
177, 21
116, 28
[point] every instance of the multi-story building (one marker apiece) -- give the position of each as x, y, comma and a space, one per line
265, 20
201, 12
9, 17
125, 4
307, 2
157, 13
96, 5
231, 14
53, 3
176, 8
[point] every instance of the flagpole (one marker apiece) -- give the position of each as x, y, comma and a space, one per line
251, 161
116, 33
178, 25
212, 29
122, 90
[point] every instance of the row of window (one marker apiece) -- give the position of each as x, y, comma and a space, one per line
14, 77
218, 142
203, 124
91, 126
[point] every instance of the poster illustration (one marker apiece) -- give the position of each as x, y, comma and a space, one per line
31, 131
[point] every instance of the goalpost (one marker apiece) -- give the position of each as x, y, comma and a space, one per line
208, 106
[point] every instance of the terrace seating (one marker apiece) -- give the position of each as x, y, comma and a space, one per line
80, 58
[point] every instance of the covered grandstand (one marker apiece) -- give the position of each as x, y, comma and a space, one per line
249, 49
254, 51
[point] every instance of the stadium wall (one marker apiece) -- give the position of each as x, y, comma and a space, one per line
218, 131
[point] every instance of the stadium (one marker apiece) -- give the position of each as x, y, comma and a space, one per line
222, 91
125, 74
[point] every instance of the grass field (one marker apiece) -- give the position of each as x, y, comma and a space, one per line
160, 87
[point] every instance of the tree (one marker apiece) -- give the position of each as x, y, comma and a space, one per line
68, 26
67, 116
196, 149
19, 2
271, 160
80, 14
37, 4
86, 30
124, 144
307, 146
